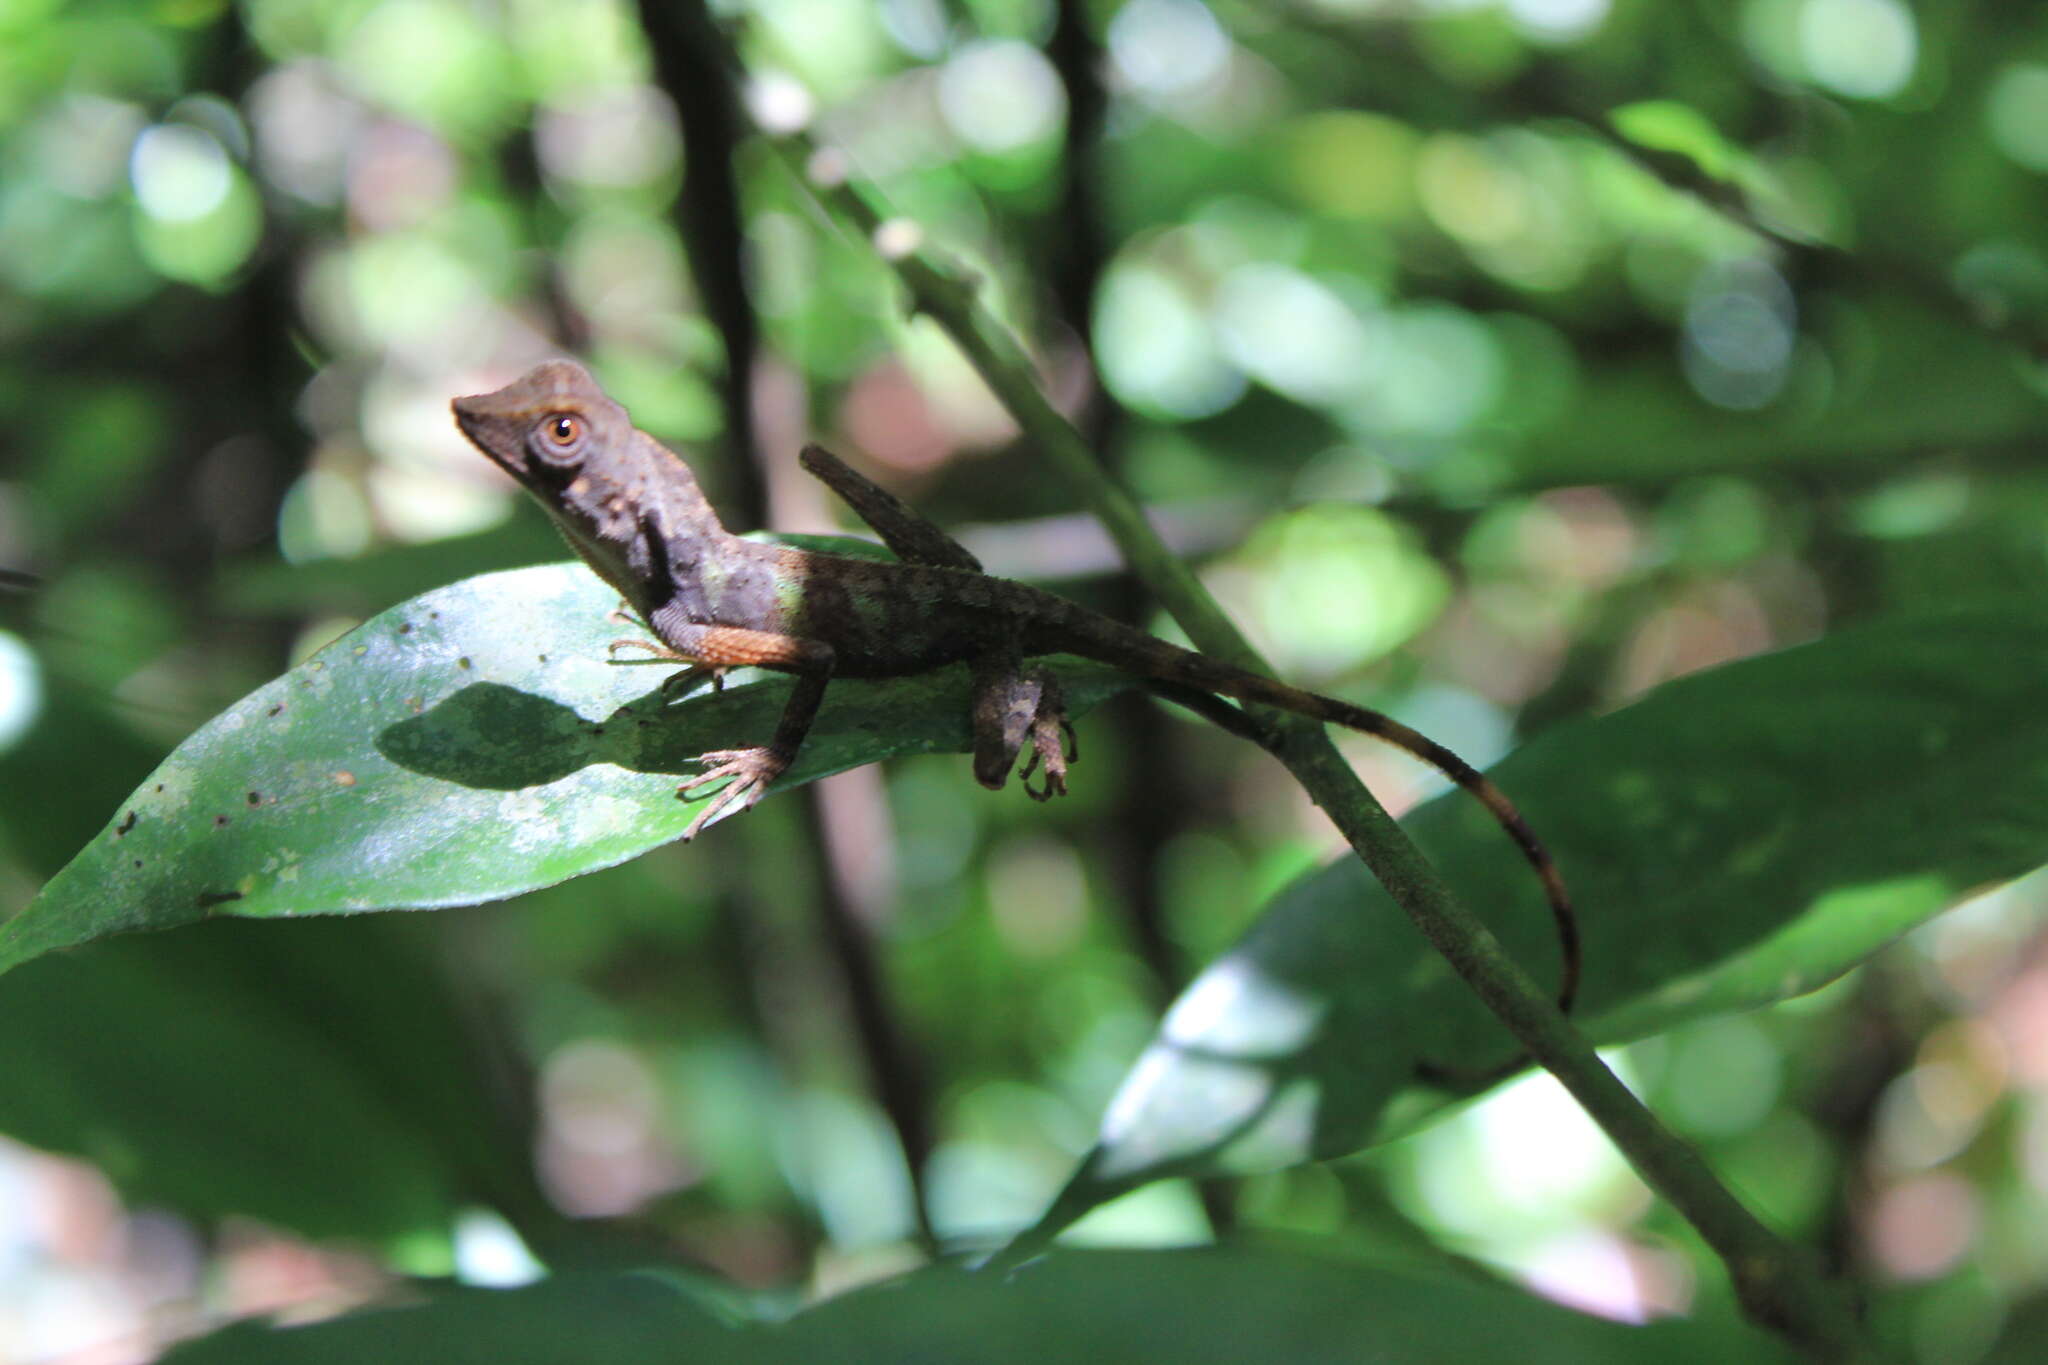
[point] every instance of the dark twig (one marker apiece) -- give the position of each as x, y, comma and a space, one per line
894, 1070
688, 62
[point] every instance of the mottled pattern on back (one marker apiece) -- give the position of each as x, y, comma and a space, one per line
633, 511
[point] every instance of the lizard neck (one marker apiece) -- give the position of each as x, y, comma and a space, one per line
685, 512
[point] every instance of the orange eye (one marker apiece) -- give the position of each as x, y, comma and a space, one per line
563, 429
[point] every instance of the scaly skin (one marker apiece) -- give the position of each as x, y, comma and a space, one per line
632, 509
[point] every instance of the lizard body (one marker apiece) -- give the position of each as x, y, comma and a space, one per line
632, 509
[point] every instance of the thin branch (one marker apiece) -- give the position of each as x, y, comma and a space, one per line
1779, 1285
687, 50
894, 1070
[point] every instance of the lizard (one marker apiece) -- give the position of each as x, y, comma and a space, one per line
633, 511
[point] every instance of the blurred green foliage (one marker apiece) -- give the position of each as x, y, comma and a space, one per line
1500, 361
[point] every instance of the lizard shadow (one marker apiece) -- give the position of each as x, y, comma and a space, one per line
501, 738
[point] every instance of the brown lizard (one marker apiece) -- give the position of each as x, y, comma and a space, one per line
632, 509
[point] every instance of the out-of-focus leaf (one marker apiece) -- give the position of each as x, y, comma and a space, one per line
1671, 126
1737, 837
317, 1079
2024, 1338
1192, 1307
584, 1319
60, 777
1900, 379
467, 745
164, 1084
1229, 1305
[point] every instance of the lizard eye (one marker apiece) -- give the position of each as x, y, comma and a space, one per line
559, 436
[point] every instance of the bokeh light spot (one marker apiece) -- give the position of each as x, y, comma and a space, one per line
180, 173
1167, 47
21, 689
621, 139
1001, 96
2017, 110
1739, 332
1861, 48
1155, 348
1352, 165
1445, 373
1558, 21
1470, 192
1294, 334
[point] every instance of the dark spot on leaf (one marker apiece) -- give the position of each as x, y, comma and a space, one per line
255, 798
220, 822
275, 709
125, 825
209, 899
405, 629
138, 864
159, 786
542, 657
464, 662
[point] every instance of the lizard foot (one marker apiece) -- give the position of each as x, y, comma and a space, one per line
1052, 738
750, 771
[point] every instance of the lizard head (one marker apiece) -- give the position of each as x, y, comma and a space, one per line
543, 426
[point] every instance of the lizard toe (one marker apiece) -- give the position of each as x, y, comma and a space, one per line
746, 773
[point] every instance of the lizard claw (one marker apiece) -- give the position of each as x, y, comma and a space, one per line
750, 771
1047, 747
676, 684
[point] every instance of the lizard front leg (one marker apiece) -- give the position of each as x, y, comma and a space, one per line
675, 683
747, 772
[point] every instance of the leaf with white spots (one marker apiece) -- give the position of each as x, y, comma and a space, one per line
1735, 838
467, 745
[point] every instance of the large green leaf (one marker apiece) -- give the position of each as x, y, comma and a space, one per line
165, 1061
1224, 1305
1736, 837
467, 745
172, 1088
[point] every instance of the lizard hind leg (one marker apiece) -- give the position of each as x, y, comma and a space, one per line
1015, 706
1053, 742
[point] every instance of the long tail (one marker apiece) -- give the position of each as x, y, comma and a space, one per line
1114, 643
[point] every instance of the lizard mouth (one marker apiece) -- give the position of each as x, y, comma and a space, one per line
476, 421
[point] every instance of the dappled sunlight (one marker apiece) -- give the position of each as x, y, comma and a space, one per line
21, 689
1218, 1085
1641, 404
